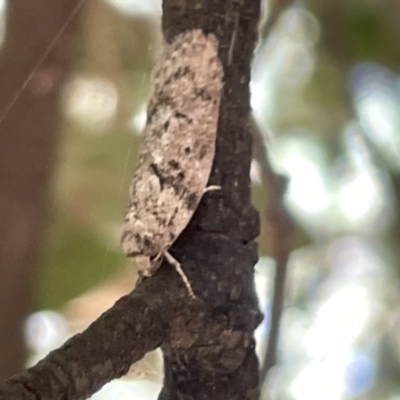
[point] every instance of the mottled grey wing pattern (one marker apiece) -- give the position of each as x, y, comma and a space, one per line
176, 155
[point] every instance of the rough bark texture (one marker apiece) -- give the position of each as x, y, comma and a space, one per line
213, 356
28, 119
136, 324
208, 343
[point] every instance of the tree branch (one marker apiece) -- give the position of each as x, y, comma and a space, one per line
218, 245
135, 325
282, 236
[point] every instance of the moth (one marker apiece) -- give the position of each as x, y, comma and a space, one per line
176, 156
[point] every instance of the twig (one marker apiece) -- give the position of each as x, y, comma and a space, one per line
136, 324
280, 223
282, 233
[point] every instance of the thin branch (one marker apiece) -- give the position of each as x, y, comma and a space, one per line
278, 219
282, 234
135, 325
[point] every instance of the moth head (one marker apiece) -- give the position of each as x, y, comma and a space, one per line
148, 266
130, 241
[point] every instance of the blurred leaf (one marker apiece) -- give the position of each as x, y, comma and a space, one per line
76, 260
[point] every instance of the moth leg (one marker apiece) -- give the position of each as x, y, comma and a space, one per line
178, 269
212, 187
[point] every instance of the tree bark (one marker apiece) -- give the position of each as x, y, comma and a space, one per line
216, 359
136, 324
208, 342
29, 97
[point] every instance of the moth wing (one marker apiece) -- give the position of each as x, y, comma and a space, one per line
176, 156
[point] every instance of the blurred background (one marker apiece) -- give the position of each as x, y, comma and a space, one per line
326, 95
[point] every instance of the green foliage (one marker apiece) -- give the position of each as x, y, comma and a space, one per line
76, 260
